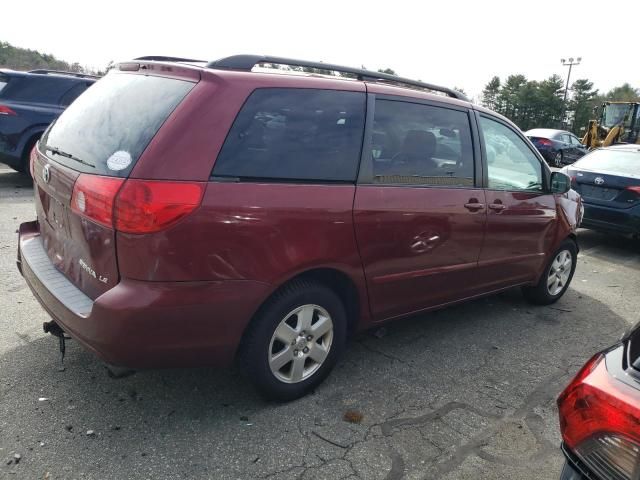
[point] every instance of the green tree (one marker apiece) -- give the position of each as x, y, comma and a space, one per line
623, 93
460, 89
507, 99
25, 59
583, 99
550, 103
491, 93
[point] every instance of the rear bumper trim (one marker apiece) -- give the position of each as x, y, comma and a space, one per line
33, 254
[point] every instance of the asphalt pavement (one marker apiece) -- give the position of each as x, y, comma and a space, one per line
463, 393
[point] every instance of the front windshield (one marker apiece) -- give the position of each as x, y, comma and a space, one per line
614, 114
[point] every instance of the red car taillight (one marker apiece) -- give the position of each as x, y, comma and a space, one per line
93, 197
600, 422
146, 206
134, 206
545, 142
635, 189
4, 110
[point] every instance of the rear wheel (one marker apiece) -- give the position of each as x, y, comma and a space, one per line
294, 342
26, 154
557, 277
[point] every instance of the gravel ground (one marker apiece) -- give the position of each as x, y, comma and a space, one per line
467, 392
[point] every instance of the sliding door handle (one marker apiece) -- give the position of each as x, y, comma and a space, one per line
474, 206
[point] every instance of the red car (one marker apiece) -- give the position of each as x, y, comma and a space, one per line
600, 415
193, 214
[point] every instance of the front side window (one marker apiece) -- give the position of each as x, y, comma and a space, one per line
615, 114
295, 134
511, 164
416, 144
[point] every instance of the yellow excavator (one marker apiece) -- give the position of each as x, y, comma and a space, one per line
618, 122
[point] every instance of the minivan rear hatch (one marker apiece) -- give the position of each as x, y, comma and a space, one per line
82, 161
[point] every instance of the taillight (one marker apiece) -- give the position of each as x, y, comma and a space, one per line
635, 189
599, 419
146, 206
33, 156
93, 197
134, 206
4, 110
545, 142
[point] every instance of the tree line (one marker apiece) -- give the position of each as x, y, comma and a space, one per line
531, 104
17, 58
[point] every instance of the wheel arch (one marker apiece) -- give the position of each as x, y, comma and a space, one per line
30, 139
333, 278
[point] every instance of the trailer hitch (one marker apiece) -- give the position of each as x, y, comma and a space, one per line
54, 329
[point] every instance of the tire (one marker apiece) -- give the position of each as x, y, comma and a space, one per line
545, 293
557, 159
286, 370
24, 166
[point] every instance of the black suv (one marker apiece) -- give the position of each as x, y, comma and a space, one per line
29, 102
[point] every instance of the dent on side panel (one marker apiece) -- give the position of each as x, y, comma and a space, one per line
249, 231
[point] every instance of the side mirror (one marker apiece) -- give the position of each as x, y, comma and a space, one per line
560, 183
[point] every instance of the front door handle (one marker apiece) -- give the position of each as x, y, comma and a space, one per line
498, 207
473, 205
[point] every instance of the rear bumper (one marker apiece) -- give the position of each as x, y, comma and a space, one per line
146, 324
611, 219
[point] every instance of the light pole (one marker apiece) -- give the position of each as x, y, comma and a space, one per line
570, 63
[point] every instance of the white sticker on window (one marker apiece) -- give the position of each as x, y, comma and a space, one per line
119, 160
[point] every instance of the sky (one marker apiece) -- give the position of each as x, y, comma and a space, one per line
452, 42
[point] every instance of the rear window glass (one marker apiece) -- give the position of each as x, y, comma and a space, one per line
295, 134
613, 162
108, 127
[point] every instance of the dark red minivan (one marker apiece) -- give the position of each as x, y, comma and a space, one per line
192, 213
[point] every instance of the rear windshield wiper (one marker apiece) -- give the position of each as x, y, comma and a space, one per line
57, 151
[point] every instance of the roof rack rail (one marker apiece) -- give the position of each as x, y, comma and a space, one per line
247, 62
44, 71
162, 58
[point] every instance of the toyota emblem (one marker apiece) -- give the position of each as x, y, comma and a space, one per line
598, 180
46, 175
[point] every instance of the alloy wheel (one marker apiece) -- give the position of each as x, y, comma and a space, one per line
301, 343
559, 272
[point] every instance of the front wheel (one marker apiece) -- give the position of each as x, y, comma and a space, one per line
295, 340
557, 276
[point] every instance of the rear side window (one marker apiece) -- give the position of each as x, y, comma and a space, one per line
415, 144
106, 130
4, 79
35, 88
73, 93
295, 134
